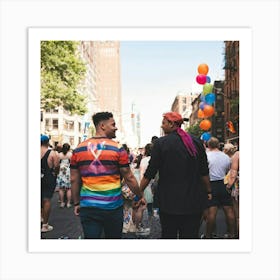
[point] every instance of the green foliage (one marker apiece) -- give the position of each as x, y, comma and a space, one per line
195, 130
61, 73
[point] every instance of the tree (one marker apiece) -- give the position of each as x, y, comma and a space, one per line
61, 73
195, 130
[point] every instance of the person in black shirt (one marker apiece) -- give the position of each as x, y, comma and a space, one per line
184, 184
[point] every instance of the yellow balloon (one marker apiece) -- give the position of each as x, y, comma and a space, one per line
207, 88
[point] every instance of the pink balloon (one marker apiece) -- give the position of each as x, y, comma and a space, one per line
201, 79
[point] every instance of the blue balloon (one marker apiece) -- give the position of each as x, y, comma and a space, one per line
201, 105
206, 136
202, 97
208, 79
210, 98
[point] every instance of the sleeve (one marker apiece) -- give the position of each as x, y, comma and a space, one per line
203, 162
73, 161
123, 158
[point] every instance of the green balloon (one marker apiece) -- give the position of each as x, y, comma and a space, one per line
207, 88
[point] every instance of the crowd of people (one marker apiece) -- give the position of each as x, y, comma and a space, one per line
177, 177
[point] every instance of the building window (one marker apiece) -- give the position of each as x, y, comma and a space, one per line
68, 125
52, 110
48, 124
71, 140
55, 123
51, 124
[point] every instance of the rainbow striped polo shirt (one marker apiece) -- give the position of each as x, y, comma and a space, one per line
99, 161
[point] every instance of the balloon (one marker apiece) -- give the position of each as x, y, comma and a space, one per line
201, 105
205, 124
210, 98
200, 114
202, 97
201, 79
208, 79
203, 69
207, 88
206, 136
208, 111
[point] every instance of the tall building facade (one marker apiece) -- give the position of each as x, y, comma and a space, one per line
231, 91
218, 119
108, 83
62, 127
182, 104
193, 119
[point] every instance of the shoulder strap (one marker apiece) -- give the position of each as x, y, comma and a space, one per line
46, 155
44, 161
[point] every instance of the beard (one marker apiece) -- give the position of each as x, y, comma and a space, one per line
112, 135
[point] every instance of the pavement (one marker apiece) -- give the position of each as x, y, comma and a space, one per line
67, 225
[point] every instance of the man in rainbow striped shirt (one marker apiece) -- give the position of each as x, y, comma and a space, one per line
96, 166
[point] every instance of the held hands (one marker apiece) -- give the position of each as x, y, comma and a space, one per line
141, 202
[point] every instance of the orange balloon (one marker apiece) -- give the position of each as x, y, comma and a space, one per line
208, 111
203, 69
205, 125
200, 114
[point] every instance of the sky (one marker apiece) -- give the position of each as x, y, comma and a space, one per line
154, 72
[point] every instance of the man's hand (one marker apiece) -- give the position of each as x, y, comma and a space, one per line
77, 210
143, 201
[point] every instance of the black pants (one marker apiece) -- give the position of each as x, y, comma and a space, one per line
179, 226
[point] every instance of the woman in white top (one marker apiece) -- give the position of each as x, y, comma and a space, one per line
148, 191
63, 179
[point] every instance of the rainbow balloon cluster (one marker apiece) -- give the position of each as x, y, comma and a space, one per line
207, 98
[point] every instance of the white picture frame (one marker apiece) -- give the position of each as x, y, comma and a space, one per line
243, 35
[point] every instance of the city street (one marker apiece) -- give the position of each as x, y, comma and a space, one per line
67, 225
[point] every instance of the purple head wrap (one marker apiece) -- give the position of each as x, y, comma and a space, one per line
186, 138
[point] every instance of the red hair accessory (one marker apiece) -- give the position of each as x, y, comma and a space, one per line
174, 117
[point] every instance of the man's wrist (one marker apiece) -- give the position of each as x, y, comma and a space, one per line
137, 197
77, 203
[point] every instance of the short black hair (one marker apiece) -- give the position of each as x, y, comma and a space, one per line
154, 138
65, 148
148, 149
101, 116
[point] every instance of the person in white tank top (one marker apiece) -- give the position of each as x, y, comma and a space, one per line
219, 165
